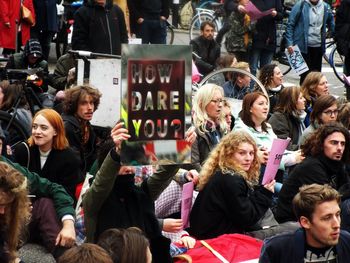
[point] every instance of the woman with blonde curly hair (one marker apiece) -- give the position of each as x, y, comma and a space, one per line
230, 199
14, 210
209, 120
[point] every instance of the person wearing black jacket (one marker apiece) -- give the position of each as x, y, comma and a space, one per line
148, 20
206, 49
99, 26
79, 105
264, 37
326, 152
230, 199
342, 33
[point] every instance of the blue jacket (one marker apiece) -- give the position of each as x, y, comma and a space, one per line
290, 248
297, 31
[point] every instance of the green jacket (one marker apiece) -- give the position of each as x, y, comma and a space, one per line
41, 187
103, 184
63, 65
235, 36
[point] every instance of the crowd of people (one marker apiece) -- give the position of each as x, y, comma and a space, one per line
73, 192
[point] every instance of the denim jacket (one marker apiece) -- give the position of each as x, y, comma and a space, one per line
297, 31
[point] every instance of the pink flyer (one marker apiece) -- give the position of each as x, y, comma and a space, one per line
275, 157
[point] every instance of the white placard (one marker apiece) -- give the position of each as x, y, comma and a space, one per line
296, 61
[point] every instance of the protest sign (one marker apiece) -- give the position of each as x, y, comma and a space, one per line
156, 106
156, 100
275, 157
296, 61
186, 203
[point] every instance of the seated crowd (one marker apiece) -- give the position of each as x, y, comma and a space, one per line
74, 193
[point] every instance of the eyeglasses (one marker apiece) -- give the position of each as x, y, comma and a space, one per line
331, 112
219, 101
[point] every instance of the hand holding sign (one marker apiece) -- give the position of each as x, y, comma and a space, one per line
275, 157
119, 134
296, 60
270, 186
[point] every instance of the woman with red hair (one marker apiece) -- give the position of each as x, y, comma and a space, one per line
47, 151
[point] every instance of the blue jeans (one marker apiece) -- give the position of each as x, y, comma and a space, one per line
152, 31
258, 58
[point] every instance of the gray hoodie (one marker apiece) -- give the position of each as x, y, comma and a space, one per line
315, 23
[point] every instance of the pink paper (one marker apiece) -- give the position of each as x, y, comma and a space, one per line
275, 157
254, 13
186, 203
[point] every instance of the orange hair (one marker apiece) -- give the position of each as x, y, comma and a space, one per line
60, 141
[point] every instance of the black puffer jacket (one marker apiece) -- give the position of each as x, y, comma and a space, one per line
265, 33
99, 29
342, 28
151, 9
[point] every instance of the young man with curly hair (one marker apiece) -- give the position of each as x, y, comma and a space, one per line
79, 105
326, 152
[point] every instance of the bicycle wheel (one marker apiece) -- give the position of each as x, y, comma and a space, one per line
196, 22
337, 62
13, 129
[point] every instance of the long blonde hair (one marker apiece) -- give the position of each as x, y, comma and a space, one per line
221, 158
202, 98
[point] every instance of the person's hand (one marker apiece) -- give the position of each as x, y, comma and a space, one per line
274, 13
187, 241
8, 150
263, 155
172, 225
191, 135
192, 175
140, 20
241, 9
119, 134
290, 49
60, 95
271, 186
7, 24
71, 75
66, 238
299, 157
162, 18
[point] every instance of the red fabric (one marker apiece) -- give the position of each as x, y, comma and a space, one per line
233, 247
78, 189
9, 12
